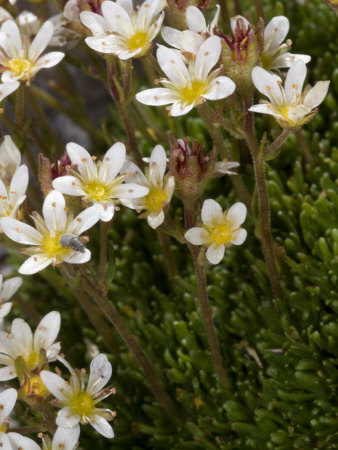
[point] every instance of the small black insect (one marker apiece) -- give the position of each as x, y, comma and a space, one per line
75, 242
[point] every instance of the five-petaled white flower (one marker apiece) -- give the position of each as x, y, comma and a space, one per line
20, 59
56, 237
64, 438
13, 179
191, 85
275, 53
7, 289
99, 183
36, 349
12, 441
220, 229
290, 107
161, 187
79, 403
190, 40
121, 31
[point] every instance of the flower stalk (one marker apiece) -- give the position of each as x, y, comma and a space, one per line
204, 303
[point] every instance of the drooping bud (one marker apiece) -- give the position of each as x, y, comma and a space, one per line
190, 167
240, 53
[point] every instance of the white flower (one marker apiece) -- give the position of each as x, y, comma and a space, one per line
56, 237
220, 229
12, 441
192, 85
99, 183
62, 35
191, 40
79, 404
64, 438
122, 31
275, 54
34, 349
6, 89
224, 167
7, 289
160, 187
14, 179
20, 59
288, 105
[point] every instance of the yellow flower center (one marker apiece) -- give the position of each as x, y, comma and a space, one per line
19, 66
51, 246
220, 235
284, 112
31, 359
96, 191
82, 404
192, 92
155, 199
138, 40
34, 385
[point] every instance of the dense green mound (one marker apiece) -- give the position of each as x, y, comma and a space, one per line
282, 358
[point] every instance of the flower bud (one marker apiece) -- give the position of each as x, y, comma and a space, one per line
190, 167
33, 391
240, 54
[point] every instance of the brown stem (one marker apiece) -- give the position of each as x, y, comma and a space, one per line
218, 140
120, 103
114, 318
264, 202
269, 150
205, 307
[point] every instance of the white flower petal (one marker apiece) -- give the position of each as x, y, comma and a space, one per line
5, 443
69, 185
179, 109
20, 442
107, 212
35, 264
20, 232
19, 181
7, 401
9, 153
147, 13
264, 108
112, 162
66, 438
212, 213
171, 36
85, 220
155, 219
239, 236
79, 257
126, 4
294, 81
221, 87
6, 89
156, 97
96, 23
316, 95
7, 373
10, 39
197, 236
190, 41
195, 20
207, 56
130, 190
110, 44
66, 418
56, 385
102, 426
287, 59
41, 41
48, 60
9, 288
100, 373
214, 21
236, 215
157, 165
267, 84
54, 211
23, 336
275, 32
118, 18
215, 253
79, 156
5, 309
47, 330
172, 64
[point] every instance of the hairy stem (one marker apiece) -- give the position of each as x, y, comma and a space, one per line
116, 320
304, 147
269, 150
206, 311
264, 203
